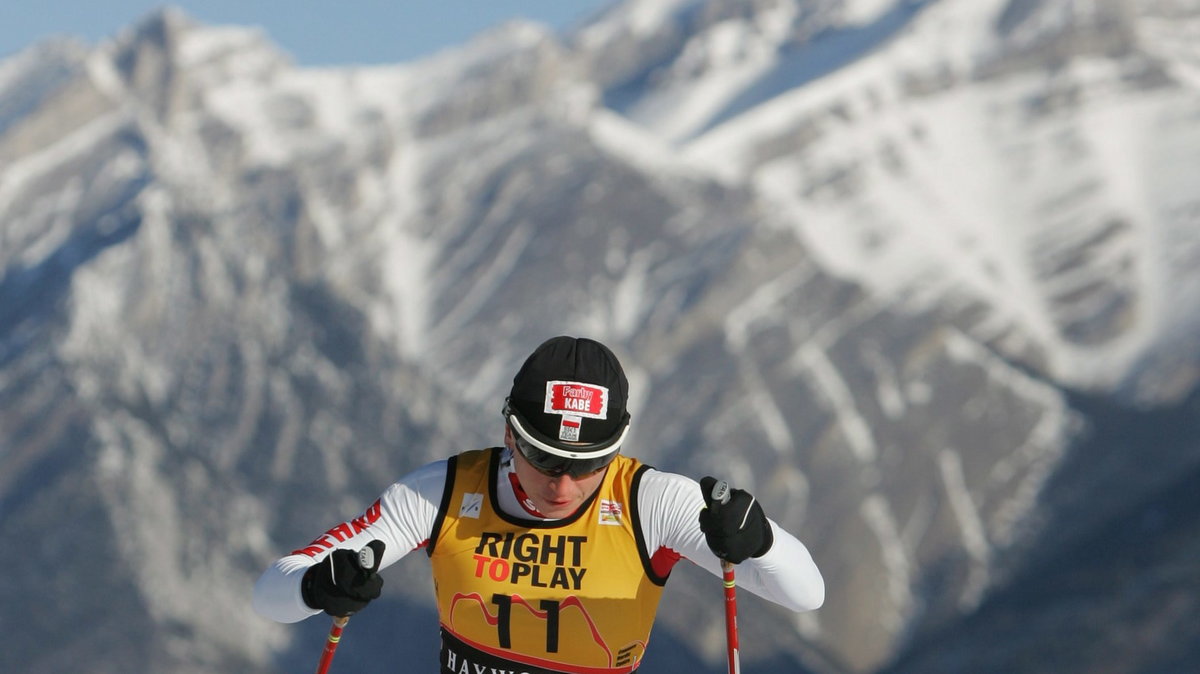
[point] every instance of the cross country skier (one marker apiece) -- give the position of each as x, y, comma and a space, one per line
548, 554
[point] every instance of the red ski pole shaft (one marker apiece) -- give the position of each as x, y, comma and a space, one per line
720, 494
731, 629
331, 643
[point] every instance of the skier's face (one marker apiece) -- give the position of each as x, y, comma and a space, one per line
555, 496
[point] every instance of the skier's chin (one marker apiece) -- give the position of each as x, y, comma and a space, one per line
558, 509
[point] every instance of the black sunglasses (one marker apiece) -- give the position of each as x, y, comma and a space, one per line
552, 465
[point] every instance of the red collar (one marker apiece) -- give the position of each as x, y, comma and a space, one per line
522, 497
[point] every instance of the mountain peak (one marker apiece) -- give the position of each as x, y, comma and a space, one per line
164, 25
167, 56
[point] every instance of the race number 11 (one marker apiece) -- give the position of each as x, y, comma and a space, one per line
503, 603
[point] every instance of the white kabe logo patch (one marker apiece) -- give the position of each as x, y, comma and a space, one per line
610, 512
471, 505
576, 399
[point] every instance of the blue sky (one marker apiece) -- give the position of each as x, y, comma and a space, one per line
314, 32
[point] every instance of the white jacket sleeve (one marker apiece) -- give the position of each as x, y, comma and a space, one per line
402, 518
670, 506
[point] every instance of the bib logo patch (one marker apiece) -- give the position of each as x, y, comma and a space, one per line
471, 504
610, 512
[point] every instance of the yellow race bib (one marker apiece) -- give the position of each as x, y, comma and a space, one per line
572, 595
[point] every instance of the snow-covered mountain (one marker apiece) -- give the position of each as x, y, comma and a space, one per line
997, 153
922, 275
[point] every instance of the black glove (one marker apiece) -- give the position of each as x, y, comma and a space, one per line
737, 528
338, 585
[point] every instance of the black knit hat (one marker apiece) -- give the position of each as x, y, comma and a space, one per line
569, 398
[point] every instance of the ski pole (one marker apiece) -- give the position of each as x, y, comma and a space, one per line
720, 494
368, 559
331, 642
